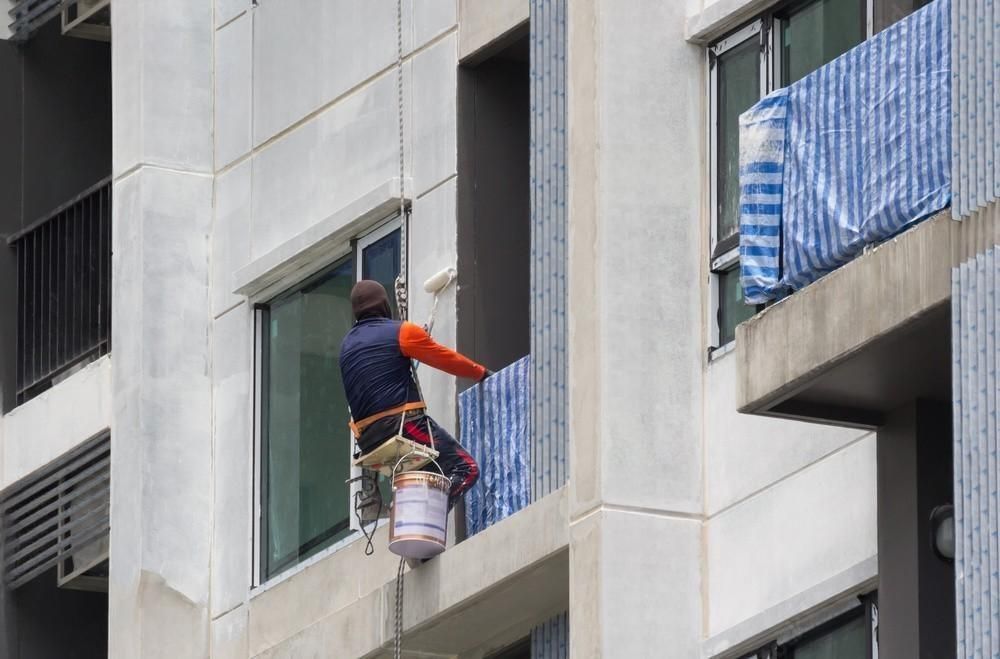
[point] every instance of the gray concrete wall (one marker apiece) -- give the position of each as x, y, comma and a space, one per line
161, 499
634, 342
916, 588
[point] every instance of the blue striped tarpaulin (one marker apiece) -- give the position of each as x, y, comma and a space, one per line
863, 148
975, 357
550, 640
495, 419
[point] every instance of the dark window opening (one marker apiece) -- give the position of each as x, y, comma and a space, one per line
520, 650
55, 125
494, 236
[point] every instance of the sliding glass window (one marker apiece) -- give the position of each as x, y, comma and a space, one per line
305, 442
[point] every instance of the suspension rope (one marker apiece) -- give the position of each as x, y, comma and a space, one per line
401, 289
398, 645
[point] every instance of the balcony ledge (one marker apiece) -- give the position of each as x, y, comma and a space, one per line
862, 340
516, 571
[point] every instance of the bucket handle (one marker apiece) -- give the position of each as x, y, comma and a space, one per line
403, 459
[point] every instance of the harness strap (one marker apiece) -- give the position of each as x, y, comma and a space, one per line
358, 427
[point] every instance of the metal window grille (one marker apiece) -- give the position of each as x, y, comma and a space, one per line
29, 15
64, 291
57, 512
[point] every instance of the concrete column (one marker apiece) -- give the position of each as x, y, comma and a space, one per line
916, 590
161, 473
635, 330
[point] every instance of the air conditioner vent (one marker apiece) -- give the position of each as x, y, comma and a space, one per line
59, 514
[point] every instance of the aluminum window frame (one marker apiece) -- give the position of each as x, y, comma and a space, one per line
728, 259
765, 28
353, 250
383, 230
782, 646
261, 311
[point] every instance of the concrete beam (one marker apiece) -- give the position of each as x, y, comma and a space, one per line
787, 347
516, 572
315, 247
483, 25
58, 420
721, 16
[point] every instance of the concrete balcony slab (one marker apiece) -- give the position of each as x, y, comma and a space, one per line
866, 338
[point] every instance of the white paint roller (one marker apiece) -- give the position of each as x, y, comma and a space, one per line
435, 286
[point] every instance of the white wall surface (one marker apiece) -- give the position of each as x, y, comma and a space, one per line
810, 527
39, 431
745, 454
305, 124
635, 357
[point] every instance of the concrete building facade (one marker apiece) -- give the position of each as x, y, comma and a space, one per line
565, 157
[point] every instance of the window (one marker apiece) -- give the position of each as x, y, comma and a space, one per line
853, 635
739, 80
305, 441
775, 50
814, 33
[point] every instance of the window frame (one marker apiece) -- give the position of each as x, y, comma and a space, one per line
783, 647
261, 310
359, 245
724, 255
353, 250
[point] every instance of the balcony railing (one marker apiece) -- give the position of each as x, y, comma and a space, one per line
64, 291
516, 467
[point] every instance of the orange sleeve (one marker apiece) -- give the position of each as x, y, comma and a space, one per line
417, 344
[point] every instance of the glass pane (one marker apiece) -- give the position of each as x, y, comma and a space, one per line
845, 642
817, 33
888, 12
739, 88
307, 441
732, 310
380, 261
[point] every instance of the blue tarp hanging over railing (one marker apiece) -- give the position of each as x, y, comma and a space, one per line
846, 157
495, 421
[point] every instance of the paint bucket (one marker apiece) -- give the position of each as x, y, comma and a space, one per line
418, 522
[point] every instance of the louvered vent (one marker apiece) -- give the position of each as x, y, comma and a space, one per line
57, 512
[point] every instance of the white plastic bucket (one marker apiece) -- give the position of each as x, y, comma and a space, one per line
418, 522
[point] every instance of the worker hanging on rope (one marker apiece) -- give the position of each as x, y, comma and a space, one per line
379, 383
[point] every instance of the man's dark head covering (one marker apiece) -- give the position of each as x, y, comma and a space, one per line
369, 300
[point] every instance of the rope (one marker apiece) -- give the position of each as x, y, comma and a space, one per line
401, 291
369, 487
401, 301
398, 646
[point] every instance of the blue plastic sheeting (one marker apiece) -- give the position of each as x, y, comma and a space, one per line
862, 147
495, 419
547, 155
975, 357
550, 640
975, 48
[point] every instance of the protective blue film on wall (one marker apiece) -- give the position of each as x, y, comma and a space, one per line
975, 356
550, 640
